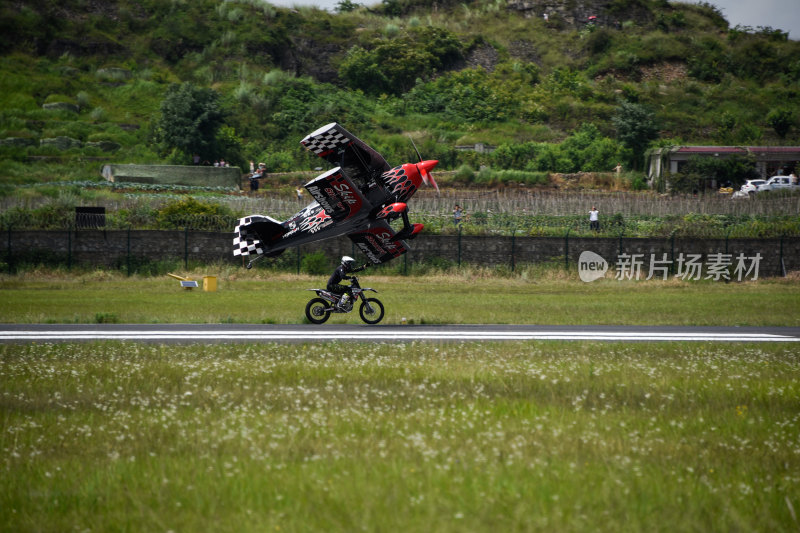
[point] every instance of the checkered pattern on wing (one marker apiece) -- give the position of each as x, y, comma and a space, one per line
326, 141
244, 243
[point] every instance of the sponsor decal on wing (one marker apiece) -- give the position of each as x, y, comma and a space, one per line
337, 195
379, 244
315, 222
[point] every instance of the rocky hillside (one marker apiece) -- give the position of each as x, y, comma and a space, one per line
83, 79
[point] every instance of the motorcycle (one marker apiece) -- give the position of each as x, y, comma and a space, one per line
318, 310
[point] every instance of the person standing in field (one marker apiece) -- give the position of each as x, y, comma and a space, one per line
458, 213
594, 219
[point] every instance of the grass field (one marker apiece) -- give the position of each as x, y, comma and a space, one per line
515, 436
400, 437
466, 297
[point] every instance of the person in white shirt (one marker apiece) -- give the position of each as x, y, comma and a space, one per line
594, 219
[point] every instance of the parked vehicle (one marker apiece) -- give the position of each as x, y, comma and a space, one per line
318, 310
751, 186
776, 183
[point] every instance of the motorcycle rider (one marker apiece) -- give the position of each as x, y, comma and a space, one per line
334, 285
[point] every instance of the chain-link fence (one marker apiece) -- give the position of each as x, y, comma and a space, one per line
473, 223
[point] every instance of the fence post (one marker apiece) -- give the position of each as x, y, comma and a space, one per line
9, 253
69, 248
782, 265
672, 253
566, 249
459, 246
727, 234
513, 239
128, 256
621, 233
298, 260
186, 247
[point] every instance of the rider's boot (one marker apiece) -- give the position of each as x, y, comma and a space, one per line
343, 301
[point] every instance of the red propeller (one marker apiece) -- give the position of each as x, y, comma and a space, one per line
425, 167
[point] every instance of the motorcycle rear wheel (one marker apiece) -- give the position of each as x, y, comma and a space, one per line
377, 311
316, 312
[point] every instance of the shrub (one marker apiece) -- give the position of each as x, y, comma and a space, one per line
190, 119
464, 175
781, 120
194, 214
316, 263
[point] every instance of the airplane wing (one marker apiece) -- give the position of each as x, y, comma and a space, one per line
338, 195
379, 243
339, 147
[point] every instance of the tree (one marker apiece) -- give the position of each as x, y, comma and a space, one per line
346, 6
190, 119
392, 67
636, 127
781, 121
698, 170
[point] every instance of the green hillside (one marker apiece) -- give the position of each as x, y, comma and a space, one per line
83, 83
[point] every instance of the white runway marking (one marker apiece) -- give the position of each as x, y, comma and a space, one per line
398, 334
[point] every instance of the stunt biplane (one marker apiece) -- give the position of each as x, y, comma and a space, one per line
357, 198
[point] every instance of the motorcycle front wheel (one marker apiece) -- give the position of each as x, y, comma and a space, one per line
374, 316
316, 311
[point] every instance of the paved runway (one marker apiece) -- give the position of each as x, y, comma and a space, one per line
211, 333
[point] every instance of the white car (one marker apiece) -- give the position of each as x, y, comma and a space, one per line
751, 186
776, 183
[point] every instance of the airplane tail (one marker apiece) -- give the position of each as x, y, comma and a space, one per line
256, 234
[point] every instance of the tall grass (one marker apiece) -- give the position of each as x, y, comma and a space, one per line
399, 437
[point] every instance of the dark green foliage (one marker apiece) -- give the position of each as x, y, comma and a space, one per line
462, 73
698, 170
30, 24
598, 41
190, 118
393, 66
469, 95
442, 44
707, 61
781, 121
316, 263
389, 68
586, 150
195, 214
636, 127
346, 6
300, 106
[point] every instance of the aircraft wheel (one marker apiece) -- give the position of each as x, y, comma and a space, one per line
377, 311
316, 311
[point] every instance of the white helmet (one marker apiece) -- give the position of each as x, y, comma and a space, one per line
348, 262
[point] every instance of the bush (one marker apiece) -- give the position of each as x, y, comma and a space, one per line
464, 175
316, 263
522, 177
194, 214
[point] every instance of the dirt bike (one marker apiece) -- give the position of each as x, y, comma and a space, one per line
318, 310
